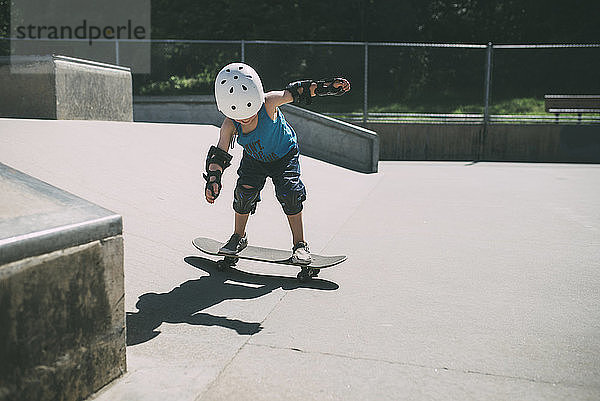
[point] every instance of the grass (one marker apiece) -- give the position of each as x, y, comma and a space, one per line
522, 106
176, 85
519, 106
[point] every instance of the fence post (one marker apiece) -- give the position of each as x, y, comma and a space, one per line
488, 81
366, 101
243, 51
486, 100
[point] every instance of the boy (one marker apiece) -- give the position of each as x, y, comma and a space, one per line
270, 149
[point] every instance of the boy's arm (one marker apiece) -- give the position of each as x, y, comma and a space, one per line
304, 91
217, 160
225, 134
274, 99
295, 92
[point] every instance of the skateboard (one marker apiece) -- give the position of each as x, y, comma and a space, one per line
260, 254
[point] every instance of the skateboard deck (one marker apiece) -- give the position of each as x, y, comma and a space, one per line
270, 255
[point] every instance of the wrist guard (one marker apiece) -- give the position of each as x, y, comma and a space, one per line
324, 88
293, 88
218, 156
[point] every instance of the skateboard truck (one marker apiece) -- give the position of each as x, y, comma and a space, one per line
305, 274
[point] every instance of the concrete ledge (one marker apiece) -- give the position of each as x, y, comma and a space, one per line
192, 109
65, 88
324, 138
62, 318
427, 141
38, 218
557, 143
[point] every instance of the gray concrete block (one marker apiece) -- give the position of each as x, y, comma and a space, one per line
65, 88
62, 319
177, 109
62, 323
334, 141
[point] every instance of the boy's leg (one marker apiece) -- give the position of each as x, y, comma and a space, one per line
245, 197
238, 240
240, 223
291, 193
251, 180
244, 204
297, 227
301, 253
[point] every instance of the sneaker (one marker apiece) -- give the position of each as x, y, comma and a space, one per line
301, 254
235, 244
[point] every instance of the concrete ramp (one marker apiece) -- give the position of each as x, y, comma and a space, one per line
462, 281
319, 136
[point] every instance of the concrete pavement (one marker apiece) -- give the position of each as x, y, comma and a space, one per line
463, 281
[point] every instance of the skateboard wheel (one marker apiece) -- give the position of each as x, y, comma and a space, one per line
303, 276
230, 261
223, 265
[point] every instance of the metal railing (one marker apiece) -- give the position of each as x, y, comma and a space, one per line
367, 49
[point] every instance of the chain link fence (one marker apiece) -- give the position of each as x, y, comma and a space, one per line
417, 82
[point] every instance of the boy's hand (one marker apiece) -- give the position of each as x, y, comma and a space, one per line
330, 87
343, 82
213, 183
209, 197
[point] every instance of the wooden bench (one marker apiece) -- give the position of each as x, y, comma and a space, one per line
572, 104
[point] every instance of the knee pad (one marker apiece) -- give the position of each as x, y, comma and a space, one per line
245, 199
292, 202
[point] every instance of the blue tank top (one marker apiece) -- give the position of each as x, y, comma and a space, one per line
270, 140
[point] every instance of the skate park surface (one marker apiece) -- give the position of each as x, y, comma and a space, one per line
463, 281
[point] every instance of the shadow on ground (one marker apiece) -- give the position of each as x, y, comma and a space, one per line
185, 303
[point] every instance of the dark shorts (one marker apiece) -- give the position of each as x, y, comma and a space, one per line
284, 172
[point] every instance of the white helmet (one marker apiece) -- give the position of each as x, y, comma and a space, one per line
239, 91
